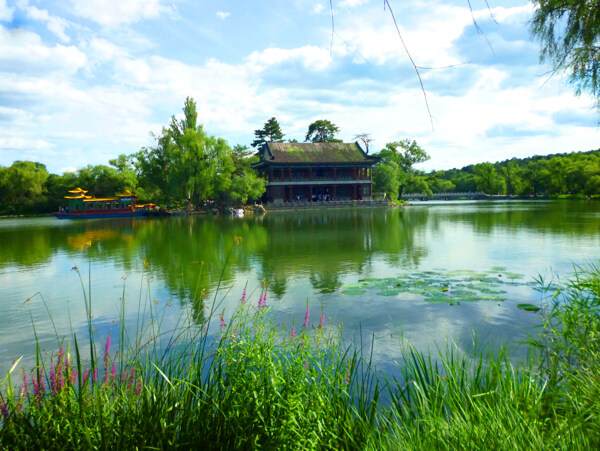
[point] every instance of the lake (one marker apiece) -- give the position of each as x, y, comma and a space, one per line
430, 273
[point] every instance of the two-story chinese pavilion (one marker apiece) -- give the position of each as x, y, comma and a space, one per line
316, 171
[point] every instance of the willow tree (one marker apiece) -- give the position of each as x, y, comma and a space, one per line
186, 162
569, 31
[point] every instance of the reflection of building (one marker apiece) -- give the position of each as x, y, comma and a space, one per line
316, 171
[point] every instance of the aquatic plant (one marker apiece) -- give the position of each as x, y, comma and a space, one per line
250, 383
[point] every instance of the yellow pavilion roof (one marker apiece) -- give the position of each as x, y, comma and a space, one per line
126, 193
99, 199
81, 196
77, 191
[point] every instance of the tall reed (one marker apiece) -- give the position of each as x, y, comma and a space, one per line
249, 384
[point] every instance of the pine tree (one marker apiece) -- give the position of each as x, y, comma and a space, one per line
271, 132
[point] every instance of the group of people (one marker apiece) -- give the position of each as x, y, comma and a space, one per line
319, 197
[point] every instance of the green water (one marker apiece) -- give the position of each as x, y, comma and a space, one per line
429, 273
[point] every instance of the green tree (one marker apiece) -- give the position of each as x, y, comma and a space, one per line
322, 131
185, 163
487, 179
22, 187
535, 177
438, 184
569, 31
511, 177
386, 179
417, 183
404, 154
271, 132
246, 187
102, 180
242, 159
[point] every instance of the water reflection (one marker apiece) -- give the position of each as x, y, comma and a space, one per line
300, 254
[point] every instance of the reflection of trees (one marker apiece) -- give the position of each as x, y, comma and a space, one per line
324, 244
569, 217
192, 254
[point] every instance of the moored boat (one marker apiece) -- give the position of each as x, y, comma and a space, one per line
82, 206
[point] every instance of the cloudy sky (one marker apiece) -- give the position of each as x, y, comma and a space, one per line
82, 81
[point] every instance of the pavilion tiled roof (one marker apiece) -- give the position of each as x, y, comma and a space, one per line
335, 152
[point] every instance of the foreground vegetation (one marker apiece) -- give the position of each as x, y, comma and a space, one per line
247, 383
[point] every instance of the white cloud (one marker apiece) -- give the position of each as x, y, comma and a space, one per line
56, 25
318, 8
100, 51
223, 15
353, 3
309, 56
116, 12
85, 103
6, 12
24, 51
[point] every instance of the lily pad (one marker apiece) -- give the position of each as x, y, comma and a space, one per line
528, 307
354, 291
351, 286
389, 292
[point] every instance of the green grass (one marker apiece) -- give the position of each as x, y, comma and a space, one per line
254, 385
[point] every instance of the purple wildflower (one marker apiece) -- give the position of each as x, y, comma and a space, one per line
322, 320
38, 384
222, 321
107, 353
244, 294
307, 316
24, 388
86, 373
52, 379
58, 371
262, 300
3, 408
293, 332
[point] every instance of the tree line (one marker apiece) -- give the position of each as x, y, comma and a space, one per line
186, 165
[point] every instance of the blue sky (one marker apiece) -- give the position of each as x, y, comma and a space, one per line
82, 81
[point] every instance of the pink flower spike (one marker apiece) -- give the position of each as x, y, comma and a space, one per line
322, 321
4, 409
107, 353
293, 332
86, 373
24, 388
307, 316
244, 294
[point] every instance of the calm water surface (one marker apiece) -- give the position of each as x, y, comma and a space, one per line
430, 273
